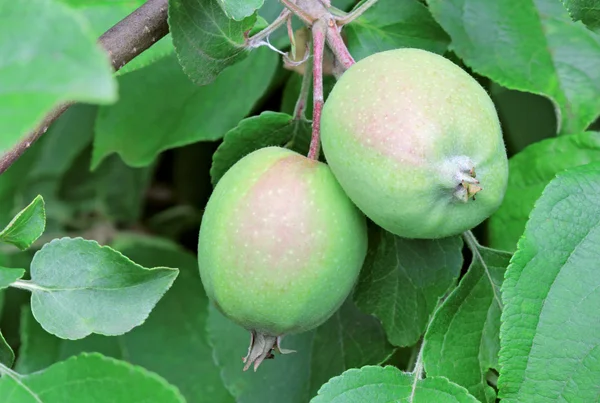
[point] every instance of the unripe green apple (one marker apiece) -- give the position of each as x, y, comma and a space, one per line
280, 246
416, 144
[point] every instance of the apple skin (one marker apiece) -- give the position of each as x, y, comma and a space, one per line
280, 244
401, 130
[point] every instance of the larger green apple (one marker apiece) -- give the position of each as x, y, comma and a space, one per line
416, 143
280, 246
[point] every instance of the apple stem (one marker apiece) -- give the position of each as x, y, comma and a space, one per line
337, 45
354, 14
300, 108
318, 38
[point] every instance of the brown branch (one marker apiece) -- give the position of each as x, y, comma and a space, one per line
123, 42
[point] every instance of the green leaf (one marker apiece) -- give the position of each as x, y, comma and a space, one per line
462, 341
9, 276
163, 344
114, 190
87, 378
267, 129
27, 226
40, 349
240, 9
586, 11
389, 384
348, 339
402, 280
38, 71
529, 173
206, 40
550, 335
392, 24
79, 287
161, 109
509, 40
7, 356
515, 109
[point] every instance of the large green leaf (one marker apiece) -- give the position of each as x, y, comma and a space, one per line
389, 384
267, 129
7, 356
462, 341
348, 339
587, 11
402, 280
113, 191
161, 109
37, 68
88, 378
529, 45
550, 332
27, 226
392, 24
206, 40
529, 173
172, 334
79, 287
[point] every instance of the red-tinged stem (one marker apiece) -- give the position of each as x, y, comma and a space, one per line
337, 45
318, 38
354, 14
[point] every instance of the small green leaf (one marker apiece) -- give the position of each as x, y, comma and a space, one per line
206, 40
529, 45
161, 109
389, 384
402, 280
240, 9
7, 356
38, 69
9, 276
529, 173
462, 341
267, 129
79, 287
586, 11
550, 332
89, 378
175, 326
392, 24
27, 226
